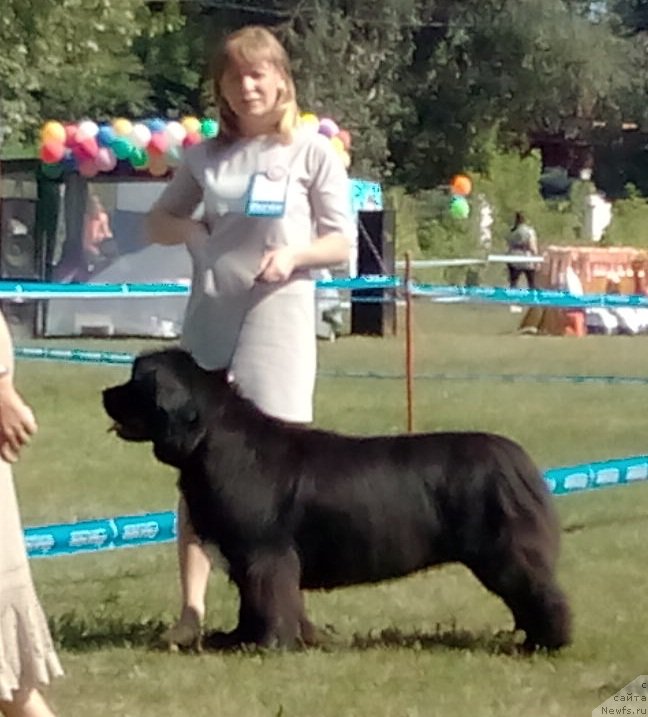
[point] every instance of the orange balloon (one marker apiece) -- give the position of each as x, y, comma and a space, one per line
345, 137
158, 166
461, 185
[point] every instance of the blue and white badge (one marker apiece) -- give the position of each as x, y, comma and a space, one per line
267, 193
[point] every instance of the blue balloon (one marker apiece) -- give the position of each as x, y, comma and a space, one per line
69, 162
105, 135
156, 124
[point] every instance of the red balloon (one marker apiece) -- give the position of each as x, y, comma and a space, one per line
191, 138
51, 151
158, 143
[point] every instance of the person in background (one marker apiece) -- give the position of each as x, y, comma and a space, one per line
276, 205
522, 241
27, 656
96, 232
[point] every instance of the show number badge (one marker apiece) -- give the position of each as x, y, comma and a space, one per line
267, 193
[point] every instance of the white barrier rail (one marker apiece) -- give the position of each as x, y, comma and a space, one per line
490, 259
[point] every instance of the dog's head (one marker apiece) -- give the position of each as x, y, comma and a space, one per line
162, 402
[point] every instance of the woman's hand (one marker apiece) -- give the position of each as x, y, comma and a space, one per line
17, 423
277, 265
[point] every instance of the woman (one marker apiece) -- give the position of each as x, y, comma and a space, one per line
27, 657
522, 241
275, 205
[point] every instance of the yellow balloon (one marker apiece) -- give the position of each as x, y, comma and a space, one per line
309, 118
122, 127
338, 145
191, 124
346, 159
53, 130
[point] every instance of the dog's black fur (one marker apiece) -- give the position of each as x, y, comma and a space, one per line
290, 507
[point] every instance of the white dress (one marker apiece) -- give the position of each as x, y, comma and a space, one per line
265, 333
27, 656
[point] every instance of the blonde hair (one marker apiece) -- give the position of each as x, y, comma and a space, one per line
255, 44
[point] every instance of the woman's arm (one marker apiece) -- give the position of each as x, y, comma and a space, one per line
17, 422
326, 251
162, 227
169, 220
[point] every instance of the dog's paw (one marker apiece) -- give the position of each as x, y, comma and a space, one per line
186, 634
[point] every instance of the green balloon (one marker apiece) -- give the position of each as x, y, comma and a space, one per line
122, 147
208, 127
459, 207
139, 158
52, 170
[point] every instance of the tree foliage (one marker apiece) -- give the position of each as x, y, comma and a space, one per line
427, 87
70, 59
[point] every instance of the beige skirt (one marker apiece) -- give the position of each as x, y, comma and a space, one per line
27, 655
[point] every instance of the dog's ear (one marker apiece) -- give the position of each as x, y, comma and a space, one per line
180, 427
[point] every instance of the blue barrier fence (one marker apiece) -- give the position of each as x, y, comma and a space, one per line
124, 359
155, 528
498, 295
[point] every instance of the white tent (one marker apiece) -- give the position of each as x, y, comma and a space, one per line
138, 262
130, 316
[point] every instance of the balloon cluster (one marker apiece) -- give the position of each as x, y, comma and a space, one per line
460, 188
340, 138
152, 145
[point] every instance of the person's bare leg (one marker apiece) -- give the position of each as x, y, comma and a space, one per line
195, 566
26, 704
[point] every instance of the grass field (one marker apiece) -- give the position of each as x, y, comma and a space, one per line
432, 644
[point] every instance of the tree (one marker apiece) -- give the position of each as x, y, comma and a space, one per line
349, 58
69, 59
502, 69
633, 14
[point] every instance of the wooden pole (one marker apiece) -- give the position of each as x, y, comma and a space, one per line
409, 343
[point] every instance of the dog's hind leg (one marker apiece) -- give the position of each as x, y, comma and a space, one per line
530, 591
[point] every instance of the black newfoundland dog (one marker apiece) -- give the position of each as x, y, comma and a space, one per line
291, 508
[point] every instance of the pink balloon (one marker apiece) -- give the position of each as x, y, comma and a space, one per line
70, 134
88, 168
87, 148
105, 160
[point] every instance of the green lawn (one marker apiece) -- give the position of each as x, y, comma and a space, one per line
431, 644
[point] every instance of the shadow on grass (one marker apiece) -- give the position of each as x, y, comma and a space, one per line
78, 634
75, 633
603, 522
498, 643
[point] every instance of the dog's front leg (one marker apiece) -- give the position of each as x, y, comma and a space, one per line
272, 610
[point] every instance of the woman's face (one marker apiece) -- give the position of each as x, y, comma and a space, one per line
252, 89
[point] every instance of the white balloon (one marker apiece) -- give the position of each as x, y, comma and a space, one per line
175, 133
140, 135
87, 128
